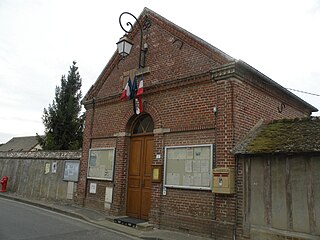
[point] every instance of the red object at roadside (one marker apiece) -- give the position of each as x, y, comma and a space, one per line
4, 182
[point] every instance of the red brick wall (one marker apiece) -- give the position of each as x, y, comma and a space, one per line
179, 95
164, 56
240, 106
251, 105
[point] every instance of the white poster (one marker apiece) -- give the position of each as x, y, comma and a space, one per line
93, 188
54, 167
47, 168
188, 166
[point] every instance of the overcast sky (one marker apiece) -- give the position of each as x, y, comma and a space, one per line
39, 39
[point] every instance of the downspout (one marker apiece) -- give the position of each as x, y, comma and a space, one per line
236, 164
92, 118
90, 142
236, 196
215, 111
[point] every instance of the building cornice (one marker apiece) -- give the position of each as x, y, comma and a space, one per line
223, 72
160, 86
250, 75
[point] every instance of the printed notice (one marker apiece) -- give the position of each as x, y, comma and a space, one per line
178, 153
93, 188
196, 166
204, 166
47, 168
197, 179
187, 180
189, 153
173, 179
202, 153
205, 179
188, 166
54, 167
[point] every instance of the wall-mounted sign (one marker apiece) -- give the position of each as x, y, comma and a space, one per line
156, 173
100, 164
47, 168
54, 167
71, 170
93, 188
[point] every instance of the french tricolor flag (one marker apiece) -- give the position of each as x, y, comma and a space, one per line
138, 100
125, 93
140, 88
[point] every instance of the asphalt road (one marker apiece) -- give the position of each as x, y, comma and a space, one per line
19, 221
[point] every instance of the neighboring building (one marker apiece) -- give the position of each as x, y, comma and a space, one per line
281, 162
198, 103
21, 144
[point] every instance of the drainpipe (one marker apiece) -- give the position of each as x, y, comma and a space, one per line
236, 164
90, 142
215, 111
236, 196
92, 118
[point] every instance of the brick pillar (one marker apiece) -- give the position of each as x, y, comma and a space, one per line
224, 203
118, 206
155, 211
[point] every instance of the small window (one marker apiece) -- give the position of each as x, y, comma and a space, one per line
143, 125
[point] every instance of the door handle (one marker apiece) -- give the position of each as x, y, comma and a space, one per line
142, 183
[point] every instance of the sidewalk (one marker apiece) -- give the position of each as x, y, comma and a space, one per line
143, 231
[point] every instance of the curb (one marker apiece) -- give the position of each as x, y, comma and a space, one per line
106, 223
42, 205
75, 215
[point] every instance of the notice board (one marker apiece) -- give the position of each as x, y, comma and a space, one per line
71, 170
188, 166
100, 164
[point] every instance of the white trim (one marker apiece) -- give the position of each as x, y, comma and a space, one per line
161, 130
122, 134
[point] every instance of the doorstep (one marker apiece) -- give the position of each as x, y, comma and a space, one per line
133, 222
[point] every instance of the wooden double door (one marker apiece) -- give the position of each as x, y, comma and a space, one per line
139, 177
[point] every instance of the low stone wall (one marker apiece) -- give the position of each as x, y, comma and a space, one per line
31, 174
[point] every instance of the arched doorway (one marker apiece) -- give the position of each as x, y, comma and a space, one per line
139, 172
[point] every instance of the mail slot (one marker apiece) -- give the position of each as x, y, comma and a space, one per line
223, 180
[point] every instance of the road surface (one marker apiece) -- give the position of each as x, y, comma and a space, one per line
19, 221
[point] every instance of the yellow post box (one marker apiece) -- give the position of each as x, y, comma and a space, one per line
223, 180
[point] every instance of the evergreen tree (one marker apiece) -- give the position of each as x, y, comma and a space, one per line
63, 120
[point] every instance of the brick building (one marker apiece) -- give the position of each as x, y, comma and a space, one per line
198, 102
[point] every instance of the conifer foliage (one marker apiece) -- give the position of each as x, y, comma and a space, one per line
63, 120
